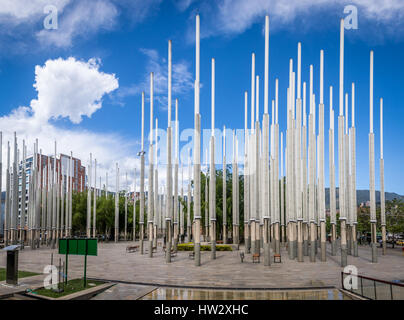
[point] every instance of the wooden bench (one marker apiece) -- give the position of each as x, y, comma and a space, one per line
173, 252
256, 258
219, 241
242, 257
154, 249
277, 258
192, 255
131, 248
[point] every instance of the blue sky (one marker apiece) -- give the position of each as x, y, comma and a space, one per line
98, 61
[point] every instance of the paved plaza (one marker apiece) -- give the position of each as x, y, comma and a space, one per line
115, 264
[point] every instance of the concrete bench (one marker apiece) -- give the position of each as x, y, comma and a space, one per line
256, 258
131, 248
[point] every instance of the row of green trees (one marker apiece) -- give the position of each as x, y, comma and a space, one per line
106, 210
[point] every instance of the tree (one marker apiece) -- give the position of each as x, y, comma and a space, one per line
395, 217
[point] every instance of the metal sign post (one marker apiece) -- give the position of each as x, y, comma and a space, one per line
84, 247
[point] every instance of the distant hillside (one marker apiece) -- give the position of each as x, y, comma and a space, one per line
363, 196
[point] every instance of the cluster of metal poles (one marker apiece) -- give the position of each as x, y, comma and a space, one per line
281, 207
38, 198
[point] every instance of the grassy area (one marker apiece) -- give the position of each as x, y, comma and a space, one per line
190, 247
21, 274
72, 286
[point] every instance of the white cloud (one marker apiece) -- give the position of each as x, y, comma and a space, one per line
182, 78
231, 17
70, 88
183, 5
22, 10
21, 21
81, 20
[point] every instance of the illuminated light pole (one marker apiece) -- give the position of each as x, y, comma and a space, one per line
95, 201
150, 196
212, 181
89, 197
224, 188
372, 169
142, 195
382, 196
341, 152
197, 154
169, 191
333, 208
176, 213
116, 225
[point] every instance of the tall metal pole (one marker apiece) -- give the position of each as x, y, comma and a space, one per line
116, 225
234, 191
312, 172
1, 176
382, 196
89, 197
62, 203
304, 178
321, 187
53, 190
14, 217
372, 169
181, 205
207, 205
58, 192
266, 180
49, 203
354, 210
197, 153
247, 236
23, 195
142, 195
150, 196
298, 161
189, 194
341, 152
95, 200
134, 208
157, 219
212, 181
169, 194
252, 162
7, 216
224, 188
126, 207
71, 193
43, 207
176, 200
333, 208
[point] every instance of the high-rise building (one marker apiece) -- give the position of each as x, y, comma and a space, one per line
62, 168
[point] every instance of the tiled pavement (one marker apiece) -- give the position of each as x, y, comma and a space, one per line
113, 263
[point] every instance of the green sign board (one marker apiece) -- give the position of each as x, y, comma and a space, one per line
80, 247
83, 247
